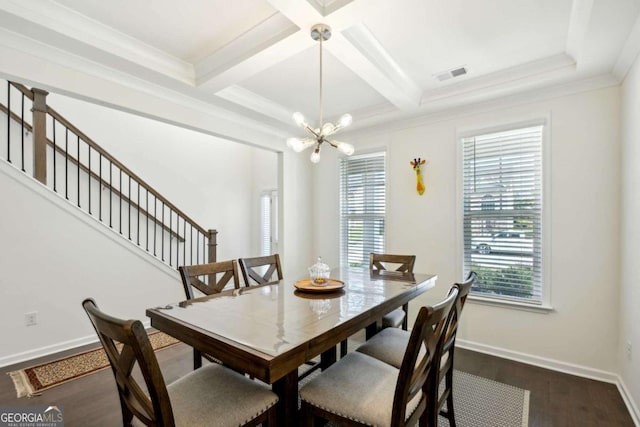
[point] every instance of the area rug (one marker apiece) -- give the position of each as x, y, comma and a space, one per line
36, 379
480, 402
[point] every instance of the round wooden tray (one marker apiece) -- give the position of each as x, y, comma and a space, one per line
305, 285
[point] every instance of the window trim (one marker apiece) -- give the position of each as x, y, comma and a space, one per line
543, 119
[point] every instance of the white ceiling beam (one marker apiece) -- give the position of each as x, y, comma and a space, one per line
356, 47
281, 36
259, 48
578, 26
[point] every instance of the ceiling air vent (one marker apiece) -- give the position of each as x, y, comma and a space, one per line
449, 74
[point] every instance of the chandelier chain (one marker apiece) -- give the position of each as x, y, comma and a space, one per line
321, 37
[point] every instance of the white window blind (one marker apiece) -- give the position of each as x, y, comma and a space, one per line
268, 222
502, 185
362, 208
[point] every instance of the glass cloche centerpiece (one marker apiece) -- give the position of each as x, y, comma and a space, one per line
319, 273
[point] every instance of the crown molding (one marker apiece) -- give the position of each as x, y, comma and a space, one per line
74, 32
515, 78
251, 100
629, 53
393, 122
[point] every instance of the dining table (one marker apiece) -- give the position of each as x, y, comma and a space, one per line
268, 331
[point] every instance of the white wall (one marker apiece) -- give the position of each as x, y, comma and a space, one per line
630, 237
296, 222
52, 257
585, 161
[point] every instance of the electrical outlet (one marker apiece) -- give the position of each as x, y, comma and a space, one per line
629, 350
31, 318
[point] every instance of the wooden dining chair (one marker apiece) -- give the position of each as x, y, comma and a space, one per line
250, 266
403, 264
360, 390
388, 346
398, 317
209, 279
213, 394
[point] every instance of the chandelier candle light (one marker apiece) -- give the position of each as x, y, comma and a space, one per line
319, 135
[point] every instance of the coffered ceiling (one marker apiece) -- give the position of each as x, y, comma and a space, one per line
385, 60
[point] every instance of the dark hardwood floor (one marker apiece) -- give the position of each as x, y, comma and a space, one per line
556, 399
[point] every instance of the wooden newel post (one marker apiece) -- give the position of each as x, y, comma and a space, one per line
213, 248
40, 134
213, 245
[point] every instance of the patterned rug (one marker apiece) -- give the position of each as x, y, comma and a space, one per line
480, 402
36, 379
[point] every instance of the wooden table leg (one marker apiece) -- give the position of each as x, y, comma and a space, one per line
197, 359
287, 390
371, 330
405, 322
328, 358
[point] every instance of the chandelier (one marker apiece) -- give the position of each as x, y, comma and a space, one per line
319, 135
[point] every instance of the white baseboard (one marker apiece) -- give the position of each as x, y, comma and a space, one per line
35, 353
628, 400
559, 366
47, 350
543, 362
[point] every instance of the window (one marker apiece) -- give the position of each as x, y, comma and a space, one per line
362, 208
269, 222
502, 213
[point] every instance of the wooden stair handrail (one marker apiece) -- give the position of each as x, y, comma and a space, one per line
25, 91
57, 116
41, 109
122, 167
97, 177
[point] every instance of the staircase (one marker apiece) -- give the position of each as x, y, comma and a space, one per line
41, 143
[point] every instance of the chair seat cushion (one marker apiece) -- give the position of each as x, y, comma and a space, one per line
357, 387
393, 319
217, 395
388, 346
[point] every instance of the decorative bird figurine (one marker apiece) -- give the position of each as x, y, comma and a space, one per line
416, 164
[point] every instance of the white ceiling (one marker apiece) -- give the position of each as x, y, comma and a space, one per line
255, 57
